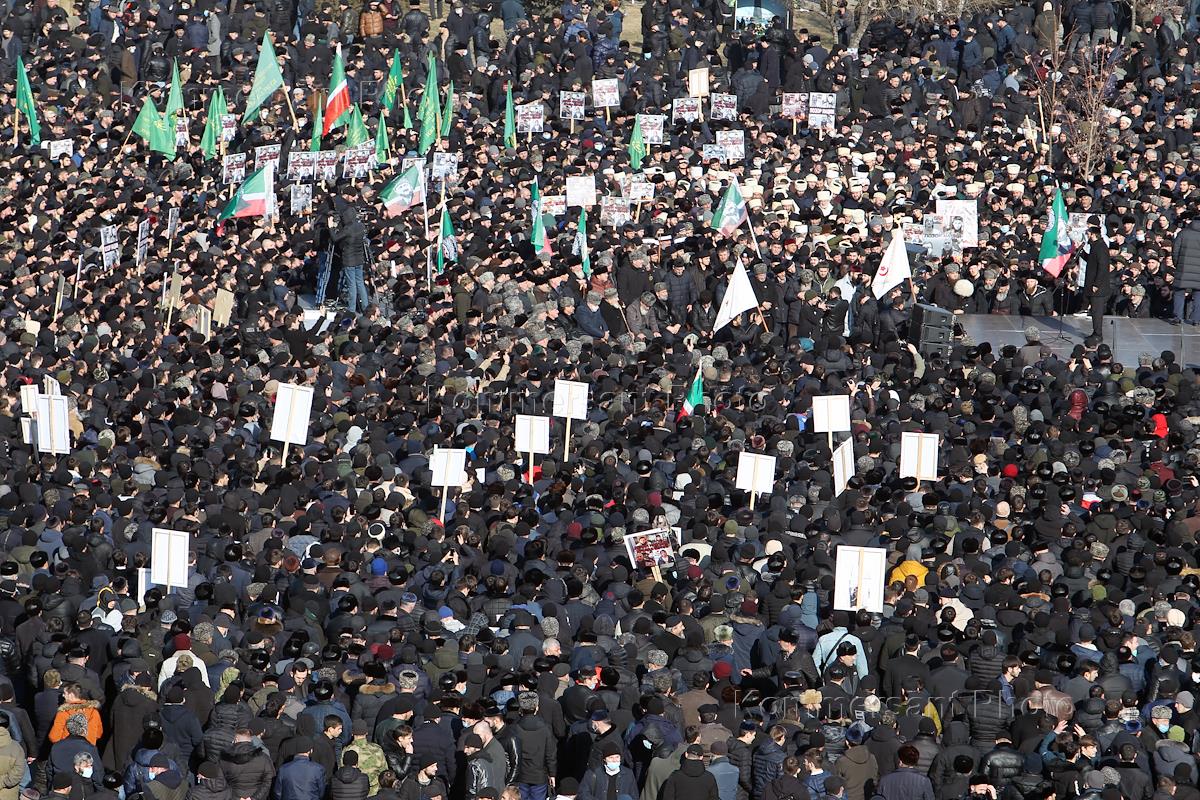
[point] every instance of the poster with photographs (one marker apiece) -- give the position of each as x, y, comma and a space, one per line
571, 105
60, 147
181, 132
614, 211
724, 106
859, 574
713, 152
302, 165
143, 242
359, 161
327, 161
934, 236
530, 118
685, 109
822, 110
172, 223
606, 93
960, 219
554, 204
110, 249
445, 166
655, 548
267, 154
640, 191
734, 143
794, 106
233, 168
652, 127
228, 127
301, 198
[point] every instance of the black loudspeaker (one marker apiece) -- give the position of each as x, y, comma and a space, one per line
931, 329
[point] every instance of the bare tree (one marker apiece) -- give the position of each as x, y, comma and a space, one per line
1074, 102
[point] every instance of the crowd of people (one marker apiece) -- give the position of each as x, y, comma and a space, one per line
350, 631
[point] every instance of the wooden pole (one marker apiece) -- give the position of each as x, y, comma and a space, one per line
442, 513
830, 441
291, 109
17, 126
531, 468
567, 442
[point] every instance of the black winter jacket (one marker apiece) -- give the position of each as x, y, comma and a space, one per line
539, 751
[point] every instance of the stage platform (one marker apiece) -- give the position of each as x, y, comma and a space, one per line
1128, 338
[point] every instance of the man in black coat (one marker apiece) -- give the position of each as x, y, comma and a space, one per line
1098, 283
350, 239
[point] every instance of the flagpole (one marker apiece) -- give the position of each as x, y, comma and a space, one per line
428, 249
291, 109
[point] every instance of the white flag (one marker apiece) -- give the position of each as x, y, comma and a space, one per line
738, 297
894, 270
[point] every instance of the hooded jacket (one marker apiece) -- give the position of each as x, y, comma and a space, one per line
690, 782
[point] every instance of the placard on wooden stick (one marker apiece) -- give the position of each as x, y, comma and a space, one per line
570, 402
532, 434
51, 424
168, 557
289, 423
919, 456
831, 414
755, 474
843, 466
448, 466
859, 575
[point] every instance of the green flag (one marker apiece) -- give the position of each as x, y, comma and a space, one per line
268, 79
1057, 246
637, 145
356, 129
211, 140
143, 126
383, 149
447, 244
25, 104
581, 246
429, 127
510, 120
538, 236
448, 111
315, 144
406, 124
157, 129
395, 80
429, 95
175, 97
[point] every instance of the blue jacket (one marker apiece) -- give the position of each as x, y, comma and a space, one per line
300, 779
727, 777
905, 784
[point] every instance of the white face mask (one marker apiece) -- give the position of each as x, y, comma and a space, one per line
612, 769
86, 772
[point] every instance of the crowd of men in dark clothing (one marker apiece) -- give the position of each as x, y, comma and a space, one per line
351, 631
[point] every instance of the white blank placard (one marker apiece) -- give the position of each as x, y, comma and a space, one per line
756, 473
843, 466
532, 433
27, 430
919, 456
53, 434
859, 574
293, 404
571, 399
448, 467
831, 413
168, 557
29, 393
